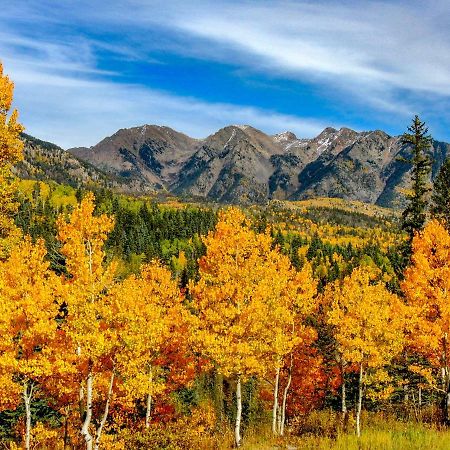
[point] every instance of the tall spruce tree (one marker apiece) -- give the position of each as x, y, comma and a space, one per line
441, 194
414, 216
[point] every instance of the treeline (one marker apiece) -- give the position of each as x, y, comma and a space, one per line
142, 230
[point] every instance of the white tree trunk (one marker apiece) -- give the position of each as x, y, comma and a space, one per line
275, 401
279, 419
27, 397
359, 405
88, 417
343, 390
344, 398
420, 397
285, 394
98, 434
148, 411
237, 428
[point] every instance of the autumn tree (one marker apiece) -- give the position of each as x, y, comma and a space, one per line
91, 334
426, 286
293, 303
368, 326
11, 151
149, 312
243, 302
441, 194
29, 354
418, 139
308, 378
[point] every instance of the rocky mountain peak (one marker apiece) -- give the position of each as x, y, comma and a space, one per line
239, 163
286, 136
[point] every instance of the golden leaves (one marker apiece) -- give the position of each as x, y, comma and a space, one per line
427, 289
247, 298
11, 151
367, 318
27, 318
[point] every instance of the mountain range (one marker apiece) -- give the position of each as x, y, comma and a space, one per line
237, 164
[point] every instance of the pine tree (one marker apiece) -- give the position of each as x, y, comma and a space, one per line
441, 194
414, 216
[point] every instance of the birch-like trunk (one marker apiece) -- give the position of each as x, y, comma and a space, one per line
446, 400
66, 431
447, 408
219, 396
446, 383
27, 397
275, 401
88, 417
285, 394
237, 427
279, 419
148, 411
343, 398
419, 399
343, 393
98, 434
359, 405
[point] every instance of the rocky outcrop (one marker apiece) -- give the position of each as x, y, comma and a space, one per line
239, 164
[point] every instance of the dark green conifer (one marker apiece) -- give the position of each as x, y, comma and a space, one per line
441, 194
414, 216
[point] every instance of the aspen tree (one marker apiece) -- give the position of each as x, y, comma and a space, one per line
368, 324
427, 289
241, 302
149, 310
11, 151
91, 335
28, 327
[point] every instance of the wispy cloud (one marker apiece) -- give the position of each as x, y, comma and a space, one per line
58, 104
389, 58
80, 114
374, 50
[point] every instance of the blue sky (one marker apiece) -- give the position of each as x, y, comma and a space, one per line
84, 69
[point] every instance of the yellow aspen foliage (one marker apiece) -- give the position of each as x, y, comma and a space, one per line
368, 323
148, 310
90, 331
292, 302
28, 327
427, 290
11, 151
245, 299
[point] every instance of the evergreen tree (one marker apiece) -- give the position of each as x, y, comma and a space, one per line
413, 217
441, 194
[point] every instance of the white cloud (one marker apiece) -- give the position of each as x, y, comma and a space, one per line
369, 52
64, 98
391, 57
73, 111
401, 45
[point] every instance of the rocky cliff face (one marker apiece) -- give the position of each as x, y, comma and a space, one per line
239, 164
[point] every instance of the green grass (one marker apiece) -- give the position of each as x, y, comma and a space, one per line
379, 433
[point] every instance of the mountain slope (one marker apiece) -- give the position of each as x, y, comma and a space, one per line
149, 156
239, 164
46, 161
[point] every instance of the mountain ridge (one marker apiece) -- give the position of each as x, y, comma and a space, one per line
241, 164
